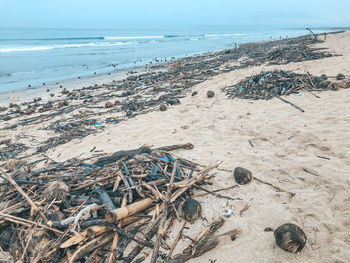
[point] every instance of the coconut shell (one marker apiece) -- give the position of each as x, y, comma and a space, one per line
162, 107
191, 210
290, 238
242, 175
210, 94
58, 190
340, 76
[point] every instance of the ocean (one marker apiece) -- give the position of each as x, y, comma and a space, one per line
31, 57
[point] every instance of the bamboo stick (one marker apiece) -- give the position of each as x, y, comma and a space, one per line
123, 212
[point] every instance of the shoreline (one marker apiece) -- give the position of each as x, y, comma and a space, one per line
26, 94
164, 84
299, 160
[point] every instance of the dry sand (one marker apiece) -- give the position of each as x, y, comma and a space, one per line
285, 140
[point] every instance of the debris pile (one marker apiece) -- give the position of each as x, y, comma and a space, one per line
268, 85
81, 212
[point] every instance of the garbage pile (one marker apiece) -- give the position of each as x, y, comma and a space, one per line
82, 212
267, 85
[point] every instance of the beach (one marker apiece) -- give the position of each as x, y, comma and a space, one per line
305, 153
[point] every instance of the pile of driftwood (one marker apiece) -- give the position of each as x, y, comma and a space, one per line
81, 212
268, 85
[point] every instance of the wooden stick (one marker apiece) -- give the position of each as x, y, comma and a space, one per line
92, 183
129, 235
322, 157
27, 222
164, 217
91, 231
305, 170
187, 146
188, 183
217, 195
35, 208
288, 102
90, 246
274, 186
104, 197
176, 241
116, 238
217, 190
133, 254
120, 213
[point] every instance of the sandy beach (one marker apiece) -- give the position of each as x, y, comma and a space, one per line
306, 153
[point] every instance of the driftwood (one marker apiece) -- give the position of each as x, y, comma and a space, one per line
202, 243
123, 154
99, 211
268, 85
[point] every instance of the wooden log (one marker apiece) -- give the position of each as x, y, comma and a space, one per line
104, 197
123, 212
90, 246
91, 231
122, 154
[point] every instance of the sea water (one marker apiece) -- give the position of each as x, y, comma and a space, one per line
31, 57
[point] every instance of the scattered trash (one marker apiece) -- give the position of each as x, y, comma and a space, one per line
227, 213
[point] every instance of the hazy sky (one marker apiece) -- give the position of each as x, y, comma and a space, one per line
164, 14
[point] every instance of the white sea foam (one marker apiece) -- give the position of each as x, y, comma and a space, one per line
40, 48
224, 35
138, 37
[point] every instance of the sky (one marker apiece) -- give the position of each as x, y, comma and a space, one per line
162, 14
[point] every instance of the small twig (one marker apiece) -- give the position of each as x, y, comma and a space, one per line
217, 190
129, 235
288, 102
274, 186
217, 195
305, 170
27, 222
245, 208
322, 157
176, 241
164, 216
